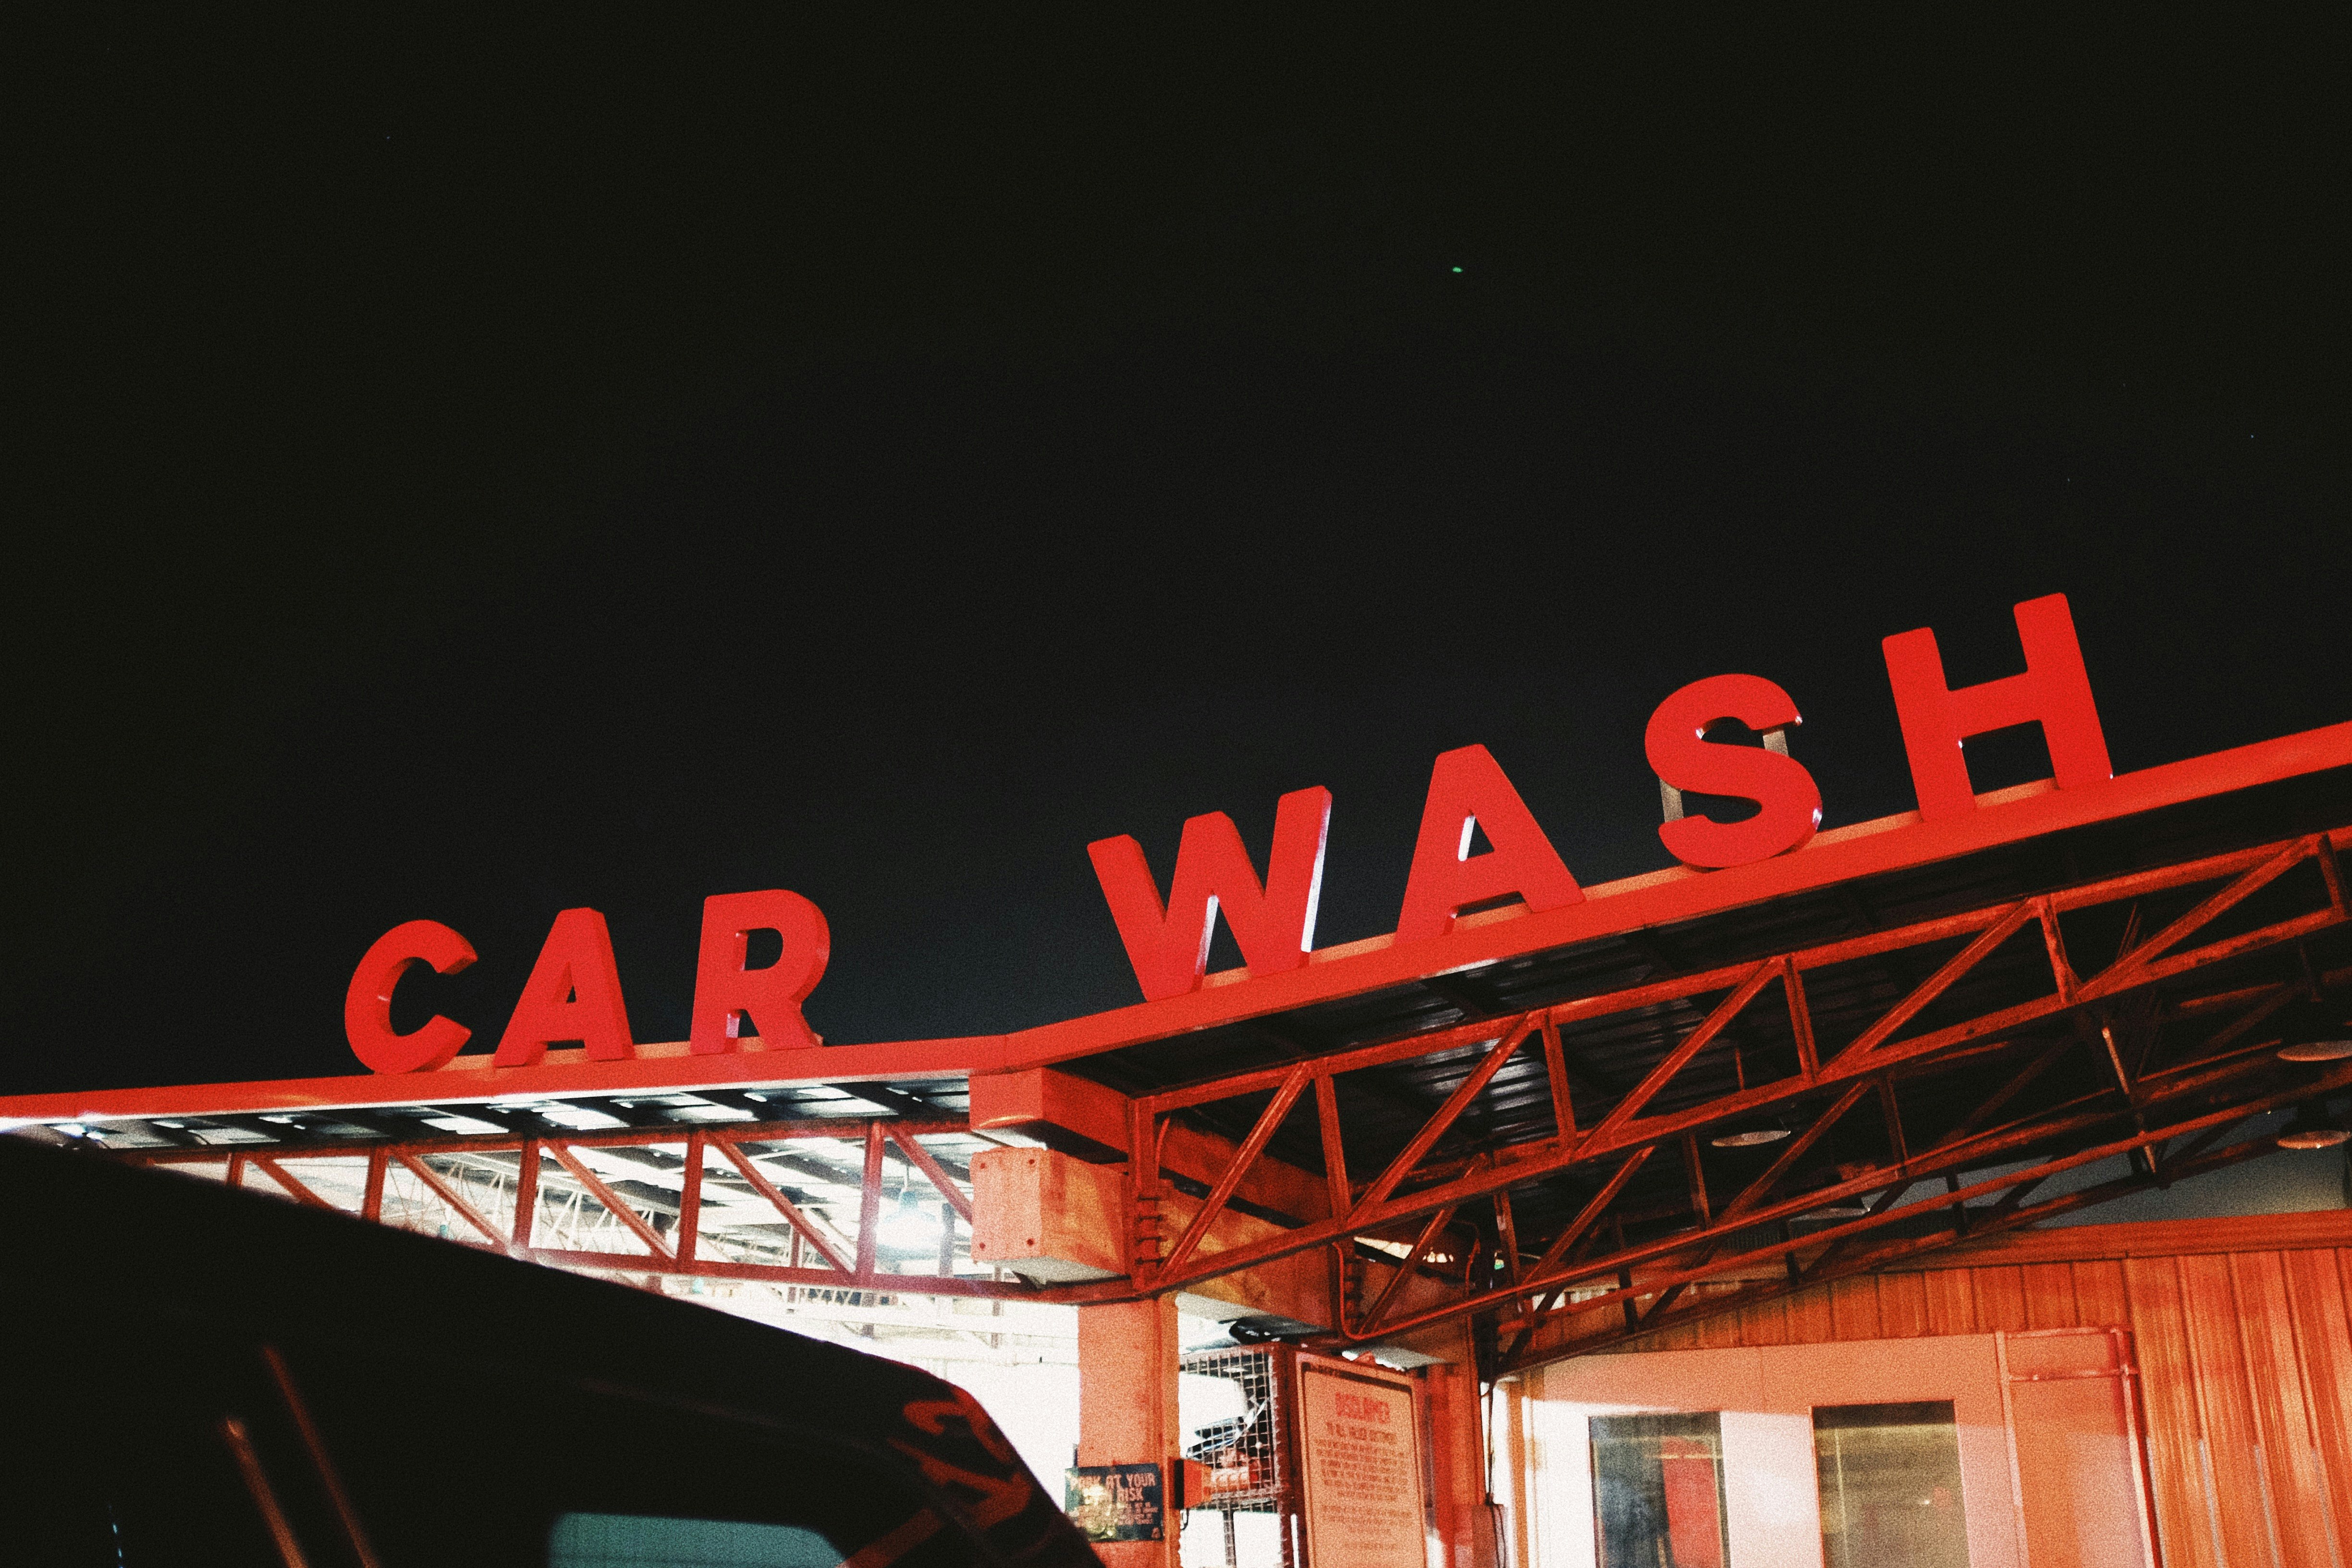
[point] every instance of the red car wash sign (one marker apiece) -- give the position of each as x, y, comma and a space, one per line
574, 994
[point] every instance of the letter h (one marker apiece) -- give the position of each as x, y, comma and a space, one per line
2054, 692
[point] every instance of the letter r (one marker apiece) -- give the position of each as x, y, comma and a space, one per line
726, 990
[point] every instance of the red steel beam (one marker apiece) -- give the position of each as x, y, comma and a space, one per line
2016, 1215
1659, 897
614, 1205
448, 1194
870, 1201
1871, 1054
608, 1138
778, 1274
1682, 1054
295, 1187
526, 1195
921, 1159
1406, 1268
689, 1201
1872, 1181
1236, 1169
1449, 1112
1576, 1230
1335, 1145
827, 1246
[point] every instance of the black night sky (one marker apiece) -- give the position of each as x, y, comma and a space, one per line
465, 471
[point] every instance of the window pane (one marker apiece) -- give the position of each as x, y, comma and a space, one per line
1657, 1488
642, 1540
1890, 1478
596, 1478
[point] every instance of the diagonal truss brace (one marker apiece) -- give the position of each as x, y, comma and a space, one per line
1395, 1197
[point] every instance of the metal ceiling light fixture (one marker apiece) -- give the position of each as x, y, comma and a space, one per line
2318, 1051
2314, 1127
912, 1225
1750, 1139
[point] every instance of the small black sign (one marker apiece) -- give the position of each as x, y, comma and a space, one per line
1115, 1502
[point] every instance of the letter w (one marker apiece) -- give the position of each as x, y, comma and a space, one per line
1274, 924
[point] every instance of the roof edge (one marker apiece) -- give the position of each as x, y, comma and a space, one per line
1656, 898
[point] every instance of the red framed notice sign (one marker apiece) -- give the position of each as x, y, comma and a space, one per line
1360, 1449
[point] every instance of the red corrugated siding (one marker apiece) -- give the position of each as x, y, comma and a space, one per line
2318, 1294
2244, 1343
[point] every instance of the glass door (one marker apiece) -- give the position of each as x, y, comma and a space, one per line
1889, 1477
1657, 1486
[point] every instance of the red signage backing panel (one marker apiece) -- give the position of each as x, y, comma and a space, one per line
1659, 897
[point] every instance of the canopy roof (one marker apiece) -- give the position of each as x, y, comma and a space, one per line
2091, 980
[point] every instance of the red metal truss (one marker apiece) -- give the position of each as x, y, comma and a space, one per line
2144, 1106
1426, 1187
1661, 1271
670, 1240
1650, 901
1555, 1196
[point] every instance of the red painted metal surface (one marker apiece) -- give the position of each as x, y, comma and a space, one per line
367, 1005
2054, 692
1660, 898
665, 1244
573, 994
1274, 925
2167, 1114
1625, 1243
726, 990
1467, 790
2167, 1107
1788, 802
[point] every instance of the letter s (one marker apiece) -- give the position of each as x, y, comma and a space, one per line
1788, 802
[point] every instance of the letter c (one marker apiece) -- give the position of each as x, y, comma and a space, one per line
367, 1006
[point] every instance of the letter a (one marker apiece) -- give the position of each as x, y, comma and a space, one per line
1466, 791
573, 994
1274, 925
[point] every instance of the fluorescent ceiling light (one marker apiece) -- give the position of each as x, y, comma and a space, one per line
1751, 1139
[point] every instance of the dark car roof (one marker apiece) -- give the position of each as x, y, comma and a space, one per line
107, 1247
106, 1235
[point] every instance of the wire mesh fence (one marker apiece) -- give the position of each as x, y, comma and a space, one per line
1235, 1404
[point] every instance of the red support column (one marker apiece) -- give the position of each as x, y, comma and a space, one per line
1127, 1408
869, 1206
1457, 1450
526, 1213
690, 1202
1457, 1468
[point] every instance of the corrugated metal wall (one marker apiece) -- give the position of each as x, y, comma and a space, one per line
2243, 1336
